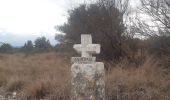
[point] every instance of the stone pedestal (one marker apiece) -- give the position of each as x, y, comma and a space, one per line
87, 74
88, 81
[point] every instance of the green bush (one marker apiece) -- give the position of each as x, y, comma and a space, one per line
6, 48
42, 44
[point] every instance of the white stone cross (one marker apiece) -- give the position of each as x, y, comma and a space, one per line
87, 74
86, 48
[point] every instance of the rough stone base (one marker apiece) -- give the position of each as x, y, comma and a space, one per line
88, 81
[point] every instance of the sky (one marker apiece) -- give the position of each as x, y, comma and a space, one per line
23, 20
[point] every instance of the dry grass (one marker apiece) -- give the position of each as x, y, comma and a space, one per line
47, 76
145, 83
36, 76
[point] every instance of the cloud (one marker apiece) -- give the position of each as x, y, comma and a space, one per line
30, 16
21, 20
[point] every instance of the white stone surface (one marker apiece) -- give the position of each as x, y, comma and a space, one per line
86, 48
88, 81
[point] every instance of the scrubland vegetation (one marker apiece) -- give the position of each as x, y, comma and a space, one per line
47, 76
136, 68
36, 76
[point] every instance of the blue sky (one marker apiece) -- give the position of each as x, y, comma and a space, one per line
22, 20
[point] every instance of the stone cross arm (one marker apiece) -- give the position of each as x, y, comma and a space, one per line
90, 48
86, 48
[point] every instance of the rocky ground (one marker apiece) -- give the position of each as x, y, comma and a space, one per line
7, 95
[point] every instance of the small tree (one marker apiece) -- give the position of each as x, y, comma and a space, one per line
28, 47
103, 20
42, 44
6, 48
159, 11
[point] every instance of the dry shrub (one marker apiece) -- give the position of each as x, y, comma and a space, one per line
61, 92
47, 76
14, 84
36, 90
144, 83
35, 76
3, 80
